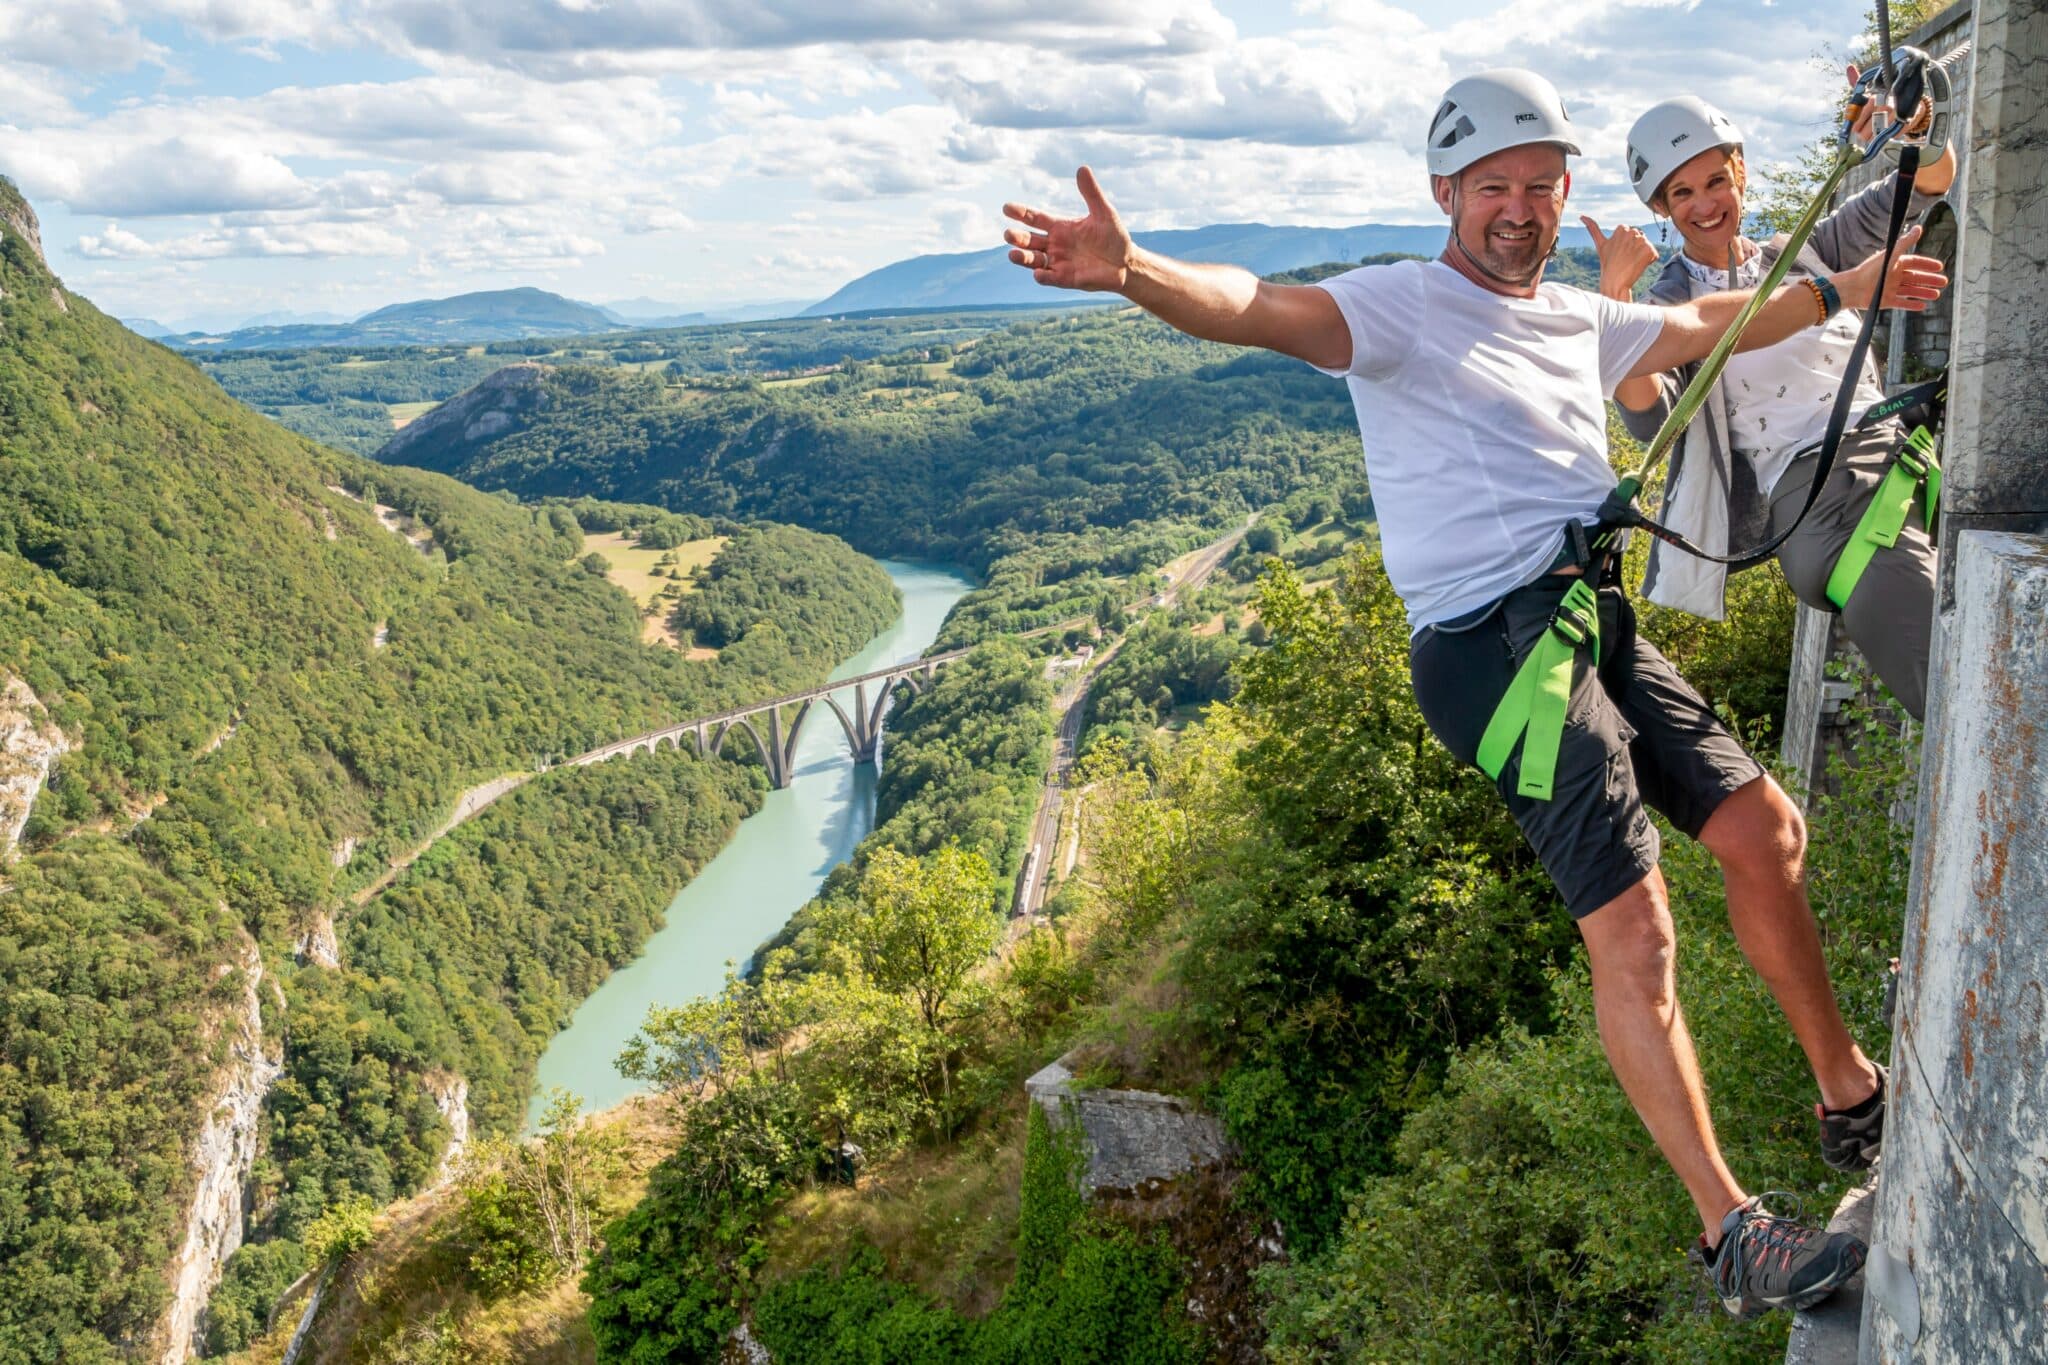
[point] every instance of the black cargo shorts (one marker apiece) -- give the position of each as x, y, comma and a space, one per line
1635, 734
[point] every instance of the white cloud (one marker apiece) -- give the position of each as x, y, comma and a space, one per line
804, 263
142, 176
547, 37
80, 36
116, 243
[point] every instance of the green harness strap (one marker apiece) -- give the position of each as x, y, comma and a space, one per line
1541, 691
1886, 514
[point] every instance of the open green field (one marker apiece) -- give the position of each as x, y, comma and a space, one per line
642, 575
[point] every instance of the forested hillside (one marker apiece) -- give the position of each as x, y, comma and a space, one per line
1052, 428
353, 396
272, 668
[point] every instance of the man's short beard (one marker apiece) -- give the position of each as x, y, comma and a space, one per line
1524, 265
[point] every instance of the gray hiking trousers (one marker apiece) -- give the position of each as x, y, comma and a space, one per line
1890, 616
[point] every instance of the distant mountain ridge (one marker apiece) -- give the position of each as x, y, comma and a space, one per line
486, 315
977, 278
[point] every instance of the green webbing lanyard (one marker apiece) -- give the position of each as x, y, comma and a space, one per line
1886, 514
1540, 694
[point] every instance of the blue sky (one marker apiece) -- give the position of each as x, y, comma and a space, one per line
205, 160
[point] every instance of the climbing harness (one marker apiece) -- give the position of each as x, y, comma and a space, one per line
1540, 694
1913, 468
1534, 707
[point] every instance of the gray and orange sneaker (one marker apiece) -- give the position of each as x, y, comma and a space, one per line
1851, 1138
1767, 1262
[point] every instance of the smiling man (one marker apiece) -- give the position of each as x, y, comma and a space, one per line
1481, 392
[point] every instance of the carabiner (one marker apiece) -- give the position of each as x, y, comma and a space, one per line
1911, 64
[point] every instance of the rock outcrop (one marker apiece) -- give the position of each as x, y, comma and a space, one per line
30, 745
17, 217
1130, 1136
1158, 1165
316, 942
451, 1096
493, 407
225, 1151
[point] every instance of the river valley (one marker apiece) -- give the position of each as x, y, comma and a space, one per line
774, 864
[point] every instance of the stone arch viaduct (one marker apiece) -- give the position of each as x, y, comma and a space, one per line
775, 738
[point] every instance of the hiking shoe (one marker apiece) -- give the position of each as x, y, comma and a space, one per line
1769, 1262
1851, 1138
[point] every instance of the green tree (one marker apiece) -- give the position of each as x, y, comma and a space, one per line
921, 927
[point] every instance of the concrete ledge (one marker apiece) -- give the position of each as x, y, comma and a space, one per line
1827, 1333
1962, 1216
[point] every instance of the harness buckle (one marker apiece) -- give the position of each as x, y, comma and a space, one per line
1916, 456
1574, 621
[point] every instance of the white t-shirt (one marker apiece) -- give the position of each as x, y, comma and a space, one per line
1485, 422
1779, 398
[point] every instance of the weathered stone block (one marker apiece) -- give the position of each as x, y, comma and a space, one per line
1130, 1136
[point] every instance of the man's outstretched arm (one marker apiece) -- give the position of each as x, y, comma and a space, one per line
1213, 302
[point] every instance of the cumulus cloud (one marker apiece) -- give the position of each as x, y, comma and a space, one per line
142, 176
85, 36
116, 243
804, 263
548, 37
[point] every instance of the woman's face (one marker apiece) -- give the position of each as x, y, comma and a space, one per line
1704, 201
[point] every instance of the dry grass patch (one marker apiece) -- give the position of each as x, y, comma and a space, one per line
943, 1219
404, 413
408, 1295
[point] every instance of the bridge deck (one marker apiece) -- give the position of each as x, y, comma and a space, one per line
924, 664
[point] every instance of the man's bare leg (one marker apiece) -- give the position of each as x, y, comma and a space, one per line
1759, 839
1629, 941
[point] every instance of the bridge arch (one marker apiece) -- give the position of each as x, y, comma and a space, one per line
857, 741
767, 755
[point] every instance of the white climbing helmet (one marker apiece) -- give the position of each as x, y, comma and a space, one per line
1671, 134
1493, 111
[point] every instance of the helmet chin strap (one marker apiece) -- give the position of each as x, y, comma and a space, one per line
1535, 272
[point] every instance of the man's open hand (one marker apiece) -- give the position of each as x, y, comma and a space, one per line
1073, 253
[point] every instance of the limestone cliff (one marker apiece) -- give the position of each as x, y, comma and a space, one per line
317, 943
225, 1151
450, 1093
491, 408
30, 744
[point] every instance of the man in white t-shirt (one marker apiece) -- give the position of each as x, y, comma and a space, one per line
1481, 393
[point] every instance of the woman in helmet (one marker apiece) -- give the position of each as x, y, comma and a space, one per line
1742, 470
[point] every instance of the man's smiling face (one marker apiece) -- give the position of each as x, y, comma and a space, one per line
1505, 208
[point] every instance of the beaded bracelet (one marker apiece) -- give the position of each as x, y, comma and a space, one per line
1819, 299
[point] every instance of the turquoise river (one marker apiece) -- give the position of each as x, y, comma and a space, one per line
775, 863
